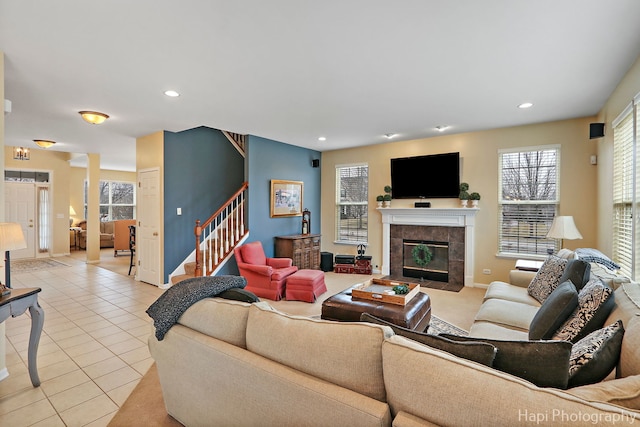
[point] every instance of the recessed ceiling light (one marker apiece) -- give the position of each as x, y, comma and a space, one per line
441, 128
390, 135
525, 105
322, 138
171, 93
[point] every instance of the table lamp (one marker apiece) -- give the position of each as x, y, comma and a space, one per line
11, 238
563, 227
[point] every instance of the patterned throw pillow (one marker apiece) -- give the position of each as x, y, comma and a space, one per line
595, 356
595, 302
547, 278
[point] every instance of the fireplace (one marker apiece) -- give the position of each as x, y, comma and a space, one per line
415, 263
452, 225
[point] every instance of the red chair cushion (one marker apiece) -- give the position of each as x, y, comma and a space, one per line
252, 253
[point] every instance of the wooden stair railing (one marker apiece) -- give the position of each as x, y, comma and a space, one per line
238, 140
218, 235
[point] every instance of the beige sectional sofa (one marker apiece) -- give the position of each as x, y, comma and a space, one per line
232, 363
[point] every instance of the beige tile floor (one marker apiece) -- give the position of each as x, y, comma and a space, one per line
92, 352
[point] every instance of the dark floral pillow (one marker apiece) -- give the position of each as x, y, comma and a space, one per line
595, 302
547, 278
595, 356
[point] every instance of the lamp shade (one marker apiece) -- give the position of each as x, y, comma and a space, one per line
11, 236
563, 227
72, 212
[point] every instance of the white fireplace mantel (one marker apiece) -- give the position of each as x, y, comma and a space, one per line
435, 217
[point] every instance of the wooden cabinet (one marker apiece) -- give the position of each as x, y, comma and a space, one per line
303, 249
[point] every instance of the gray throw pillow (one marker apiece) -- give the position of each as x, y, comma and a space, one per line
475, 351
554, 311
595, 302
596, 355
544, 363
547, 278
239, 294
578, 271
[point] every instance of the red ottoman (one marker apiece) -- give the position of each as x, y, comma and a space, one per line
305, 285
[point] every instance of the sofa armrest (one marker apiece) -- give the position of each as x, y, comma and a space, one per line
521, 278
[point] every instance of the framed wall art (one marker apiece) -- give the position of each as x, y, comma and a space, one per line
286, 198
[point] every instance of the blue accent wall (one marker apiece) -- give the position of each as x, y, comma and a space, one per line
267, 160
202, 169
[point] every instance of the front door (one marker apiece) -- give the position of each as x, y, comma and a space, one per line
20, 207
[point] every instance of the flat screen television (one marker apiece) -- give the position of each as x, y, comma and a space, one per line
435, 176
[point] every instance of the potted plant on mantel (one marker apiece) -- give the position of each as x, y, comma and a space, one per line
464, 194
380, 199
387, 196
475, 198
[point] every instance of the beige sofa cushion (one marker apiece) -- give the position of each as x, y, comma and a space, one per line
498, 332
207, 382
447, 390
630, 352
507, 313
623, 392
508, 292
223, 319
347, 354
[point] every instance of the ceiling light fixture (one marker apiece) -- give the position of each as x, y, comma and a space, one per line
44, 143
525, 105
21, 153
93, 117
441, 128
171, 93
390, 135
322, 138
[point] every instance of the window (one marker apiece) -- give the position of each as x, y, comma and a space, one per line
117, 200
625, 190
352, 207
528, 187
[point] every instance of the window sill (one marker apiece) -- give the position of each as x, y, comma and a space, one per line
344, 242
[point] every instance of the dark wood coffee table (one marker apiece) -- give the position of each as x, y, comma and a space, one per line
416, 314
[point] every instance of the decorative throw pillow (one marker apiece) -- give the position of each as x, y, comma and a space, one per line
578, 271
238, 294
544, 363
595, 302
554, 311
596, 355
475, 351
547, 278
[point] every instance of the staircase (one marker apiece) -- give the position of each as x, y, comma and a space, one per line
216, 238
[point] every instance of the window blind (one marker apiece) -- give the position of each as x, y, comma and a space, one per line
352, 208
623, 193
528, 200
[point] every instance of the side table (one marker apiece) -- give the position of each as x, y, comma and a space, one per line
14, 305
528, 265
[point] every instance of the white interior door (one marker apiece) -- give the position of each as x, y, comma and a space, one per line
148, 239
20, 207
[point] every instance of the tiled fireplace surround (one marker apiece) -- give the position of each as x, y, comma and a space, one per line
452, 225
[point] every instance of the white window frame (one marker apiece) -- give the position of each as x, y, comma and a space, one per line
110, 205
541, 245
625, 231
340, 204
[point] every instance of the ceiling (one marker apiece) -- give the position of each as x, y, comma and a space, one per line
296, 70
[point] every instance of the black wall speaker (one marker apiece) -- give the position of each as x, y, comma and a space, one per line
596, 130
315, 163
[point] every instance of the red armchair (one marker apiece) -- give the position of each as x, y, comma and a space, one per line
265, 276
